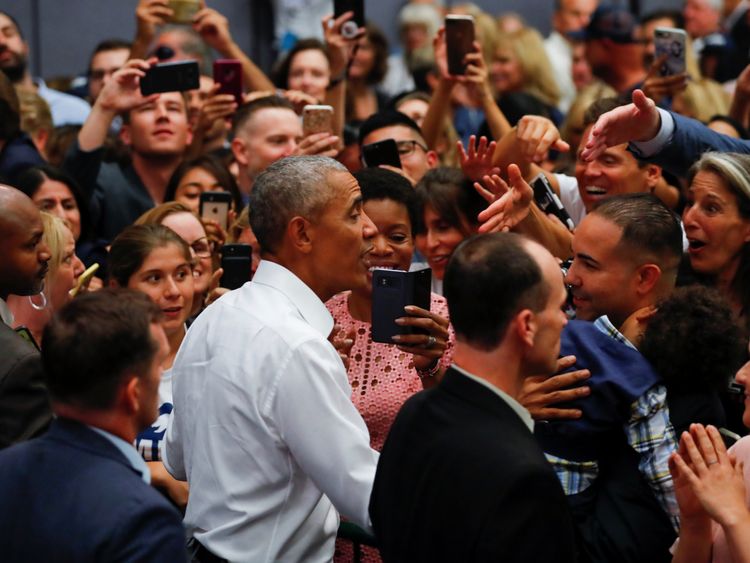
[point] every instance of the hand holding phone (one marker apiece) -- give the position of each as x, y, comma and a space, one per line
547, 200
392, 290
228, 73
175, 76
670, 41
350, 29
317, 119
214, 206
236, 261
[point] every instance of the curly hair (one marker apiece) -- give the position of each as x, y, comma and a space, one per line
693, 341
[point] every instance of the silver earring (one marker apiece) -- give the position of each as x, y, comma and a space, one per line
43, 305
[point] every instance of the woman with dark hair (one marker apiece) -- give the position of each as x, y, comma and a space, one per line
203, 174
717, 225
366, 71
305, 68
154, 260
449, 206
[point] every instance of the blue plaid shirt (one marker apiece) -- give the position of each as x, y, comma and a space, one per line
648, 431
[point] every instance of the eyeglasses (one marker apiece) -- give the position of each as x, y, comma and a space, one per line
406, 148
202, 248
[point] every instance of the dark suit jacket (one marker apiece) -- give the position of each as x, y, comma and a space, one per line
24, 405
461, 478
71, 496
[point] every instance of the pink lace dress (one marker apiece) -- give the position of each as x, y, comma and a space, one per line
382, 376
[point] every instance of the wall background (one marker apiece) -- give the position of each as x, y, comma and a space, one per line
62, 33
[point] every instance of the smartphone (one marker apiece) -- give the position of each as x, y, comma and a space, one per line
350, 29
84, 279
215, 207
547, 200
382, 152
392, 290
184, 10
228, 73
670, 41
237, 263
176, 76
459, 40
317, 119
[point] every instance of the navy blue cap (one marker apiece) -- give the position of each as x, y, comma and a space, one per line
610, 22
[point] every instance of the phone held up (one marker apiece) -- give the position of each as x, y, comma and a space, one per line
459, 40
350, 29
236, 261
670, 41
317, 119
382, 152
228, 73
176, 76
214, 206
392, 290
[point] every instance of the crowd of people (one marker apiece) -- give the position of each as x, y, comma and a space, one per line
574, 386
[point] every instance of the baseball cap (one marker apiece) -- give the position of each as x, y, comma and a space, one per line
610, 22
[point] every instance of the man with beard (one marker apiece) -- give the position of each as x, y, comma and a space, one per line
14, 60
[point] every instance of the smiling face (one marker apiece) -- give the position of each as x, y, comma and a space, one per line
392, 246
166, 277
310, 73
614, 171
601, 278
715, 230
191, 230
506, 74
158, 128
439, 240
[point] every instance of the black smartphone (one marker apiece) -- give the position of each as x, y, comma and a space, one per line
382, 152
547, 200
351, 27
459, 40
228, 73
215, 206
176, 76
236, 261
392, 290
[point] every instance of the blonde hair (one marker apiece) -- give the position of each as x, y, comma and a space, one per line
527, 46
702, 99
55, 237
35, 113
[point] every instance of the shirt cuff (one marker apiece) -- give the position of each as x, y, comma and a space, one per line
645, 149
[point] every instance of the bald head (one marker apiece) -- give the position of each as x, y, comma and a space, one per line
23, 253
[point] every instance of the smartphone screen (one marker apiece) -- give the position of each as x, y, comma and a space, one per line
392, 290
215, 206
670, 41
228, 73
459, 39
176, 76
382, 152
350, 28
236, 261
317, 119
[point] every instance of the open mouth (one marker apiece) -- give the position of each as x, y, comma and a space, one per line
694, 244
595, 191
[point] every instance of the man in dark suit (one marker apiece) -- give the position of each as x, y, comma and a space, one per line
80, 492
460, 477
24, 406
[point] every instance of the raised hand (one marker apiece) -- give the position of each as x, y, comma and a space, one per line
323, 144
476, 162
639, 121
536, 135
150, 14
509, 205
213, 28
122, 92
340, 48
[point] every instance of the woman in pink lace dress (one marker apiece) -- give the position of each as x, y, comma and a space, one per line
383, 376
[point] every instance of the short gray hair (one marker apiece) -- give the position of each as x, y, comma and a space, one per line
733, 168
290, 187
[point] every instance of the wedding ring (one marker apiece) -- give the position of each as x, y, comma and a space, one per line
430, 342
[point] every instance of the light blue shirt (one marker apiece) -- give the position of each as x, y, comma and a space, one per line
65, 109
130, 453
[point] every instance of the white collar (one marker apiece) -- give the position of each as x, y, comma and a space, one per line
6, 315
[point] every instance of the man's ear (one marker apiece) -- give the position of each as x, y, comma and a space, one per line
239, 150
647, 277
524, 324
130, 393
432, 159
301, 234
125, 135
652, 174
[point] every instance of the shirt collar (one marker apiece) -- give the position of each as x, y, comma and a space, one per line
605, 325
130, 453
309, 305
6, 315
517, 407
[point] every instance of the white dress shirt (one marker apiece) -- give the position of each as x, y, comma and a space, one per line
263, 426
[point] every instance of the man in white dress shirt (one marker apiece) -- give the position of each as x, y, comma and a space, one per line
263, 427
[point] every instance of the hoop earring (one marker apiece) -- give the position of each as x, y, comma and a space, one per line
41, 307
